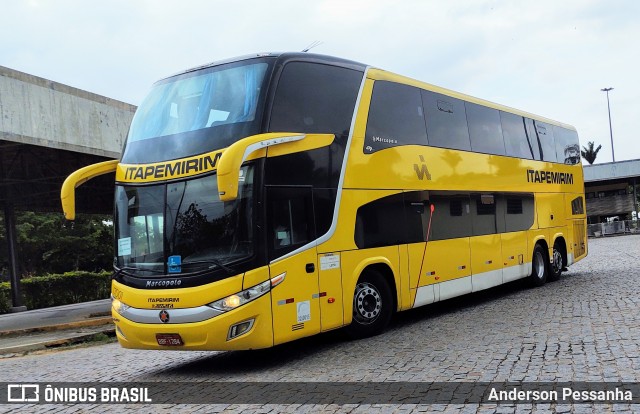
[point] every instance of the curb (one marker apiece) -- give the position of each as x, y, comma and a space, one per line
70, 325
53, 343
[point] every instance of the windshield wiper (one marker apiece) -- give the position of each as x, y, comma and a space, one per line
123, 269
229, 271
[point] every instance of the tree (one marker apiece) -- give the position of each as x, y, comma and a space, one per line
590, 154
48, 244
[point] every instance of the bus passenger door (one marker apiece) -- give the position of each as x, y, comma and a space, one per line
295, 301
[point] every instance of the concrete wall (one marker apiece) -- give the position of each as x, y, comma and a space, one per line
41, 112
609, 206
611, 170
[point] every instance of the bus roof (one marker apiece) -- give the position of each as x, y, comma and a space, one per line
283, 57
380, 74
373, 73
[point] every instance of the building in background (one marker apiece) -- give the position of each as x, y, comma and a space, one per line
47, 131
611, 192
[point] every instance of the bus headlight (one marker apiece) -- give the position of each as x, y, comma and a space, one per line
118, 306
238, 299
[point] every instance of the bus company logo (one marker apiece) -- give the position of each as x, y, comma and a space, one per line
549, 177
421, 170
162, 303
164, 316
172, 169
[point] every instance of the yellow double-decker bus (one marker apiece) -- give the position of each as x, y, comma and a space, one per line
275, 196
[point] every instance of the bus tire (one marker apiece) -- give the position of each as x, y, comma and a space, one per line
538, 275
555, 268
372, 306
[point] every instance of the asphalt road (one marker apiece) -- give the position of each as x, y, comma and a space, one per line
585, 327
58, 315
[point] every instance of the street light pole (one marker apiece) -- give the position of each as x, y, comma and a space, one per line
613, 154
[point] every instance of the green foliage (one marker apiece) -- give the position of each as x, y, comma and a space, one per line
589, 153
63, 289
49, 244
5, 297
58, 289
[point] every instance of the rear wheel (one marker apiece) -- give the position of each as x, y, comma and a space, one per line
555, 269
538, 275
372, 306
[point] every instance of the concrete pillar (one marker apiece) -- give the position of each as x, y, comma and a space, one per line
635, 198
10, 225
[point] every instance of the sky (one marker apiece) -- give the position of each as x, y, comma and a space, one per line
547, 57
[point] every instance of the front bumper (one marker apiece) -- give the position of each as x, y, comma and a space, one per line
209, 334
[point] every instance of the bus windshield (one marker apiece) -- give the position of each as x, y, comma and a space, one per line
182, 227
197, 112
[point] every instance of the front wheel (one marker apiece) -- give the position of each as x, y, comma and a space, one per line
372, 306
538, 275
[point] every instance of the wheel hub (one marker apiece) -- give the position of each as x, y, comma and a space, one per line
539, 265
367, 303
557, 261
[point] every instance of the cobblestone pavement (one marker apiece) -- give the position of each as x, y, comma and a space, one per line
585, 327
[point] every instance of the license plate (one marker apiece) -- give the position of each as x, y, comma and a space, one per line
169, 339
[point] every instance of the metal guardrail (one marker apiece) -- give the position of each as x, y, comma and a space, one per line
614, 227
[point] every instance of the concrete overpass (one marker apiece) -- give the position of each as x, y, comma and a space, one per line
611, 189
47, 131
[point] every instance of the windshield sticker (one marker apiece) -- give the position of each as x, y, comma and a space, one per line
124, 246
175, 264
304, 311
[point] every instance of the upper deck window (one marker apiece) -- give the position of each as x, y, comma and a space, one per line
547, 141
395, 117
485, 129
567, 145
446, 121
198, 112
516, 141
315, 98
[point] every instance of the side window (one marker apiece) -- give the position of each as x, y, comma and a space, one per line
518, 212
577, 206
567, 145
547, 142
455, 207
515, 136
290, 222
446, 121
324, 201
532, 136
417, 211
395, 117
485, 130
381, 223
484, 214
451, 216
514, 205
315, 98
